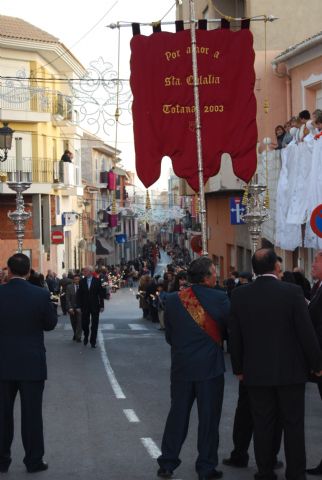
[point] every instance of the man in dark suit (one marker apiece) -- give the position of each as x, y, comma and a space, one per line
91, 298
243, 421
25, 313
194, 322
315, 309
273, 348
73, 307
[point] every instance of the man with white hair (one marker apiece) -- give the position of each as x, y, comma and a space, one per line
91, 299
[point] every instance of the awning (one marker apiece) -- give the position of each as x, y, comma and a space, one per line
121, 172
103, 247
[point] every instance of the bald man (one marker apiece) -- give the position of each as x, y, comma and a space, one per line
273, 349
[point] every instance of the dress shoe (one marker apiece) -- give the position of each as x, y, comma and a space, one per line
93, 345
210, 475
4, 469
40, 467
78, 340
164, 473
315, 471
74, 338
85, 340
235, 462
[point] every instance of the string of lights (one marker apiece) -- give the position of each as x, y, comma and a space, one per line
65, 80
80, 139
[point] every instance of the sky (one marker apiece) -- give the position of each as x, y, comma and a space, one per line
71, 20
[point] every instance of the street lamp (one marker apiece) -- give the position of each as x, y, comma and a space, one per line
5, 141
19, 181
256, 212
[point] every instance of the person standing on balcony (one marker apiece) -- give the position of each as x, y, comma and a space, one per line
67, 156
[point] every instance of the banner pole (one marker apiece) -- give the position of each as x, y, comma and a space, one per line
198, 128
258, 18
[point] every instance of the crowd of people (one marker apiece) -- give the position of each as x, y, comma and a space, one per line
298, 128
271, 319
274, 326
299, 185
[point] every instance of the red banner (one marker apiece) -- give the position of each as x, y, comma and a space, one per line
163, 104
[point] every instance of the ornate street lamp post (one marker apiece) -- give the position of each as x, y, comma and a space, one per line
256, 212
19, 181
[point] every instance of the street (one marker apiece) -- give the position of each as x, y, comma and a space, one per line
105, 409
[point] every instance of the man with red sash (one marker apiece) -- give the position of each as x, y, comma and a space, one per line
194, 321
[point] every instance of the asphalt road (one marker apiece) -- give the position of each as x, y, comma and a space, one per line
105, 409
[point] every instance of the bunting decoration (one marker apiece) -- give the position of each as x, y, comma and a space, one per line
163, 102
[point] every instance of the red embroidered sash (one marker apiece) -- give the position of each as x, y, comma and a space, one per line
199, 314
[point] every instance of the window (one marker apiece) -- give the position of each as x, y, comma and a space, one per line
57, 198
318, 99
234, 8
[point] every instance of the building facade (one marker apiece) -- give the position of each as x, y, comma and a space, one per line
289, 79
38, 106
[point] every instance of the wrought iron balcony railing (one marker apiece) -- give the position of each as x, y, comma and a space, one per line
45, 170
35, 99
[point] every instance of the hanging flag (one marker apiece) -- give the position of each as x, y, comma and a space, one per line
163, 103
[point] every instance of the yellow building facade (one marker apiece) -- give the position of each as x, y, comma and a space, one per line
36, 100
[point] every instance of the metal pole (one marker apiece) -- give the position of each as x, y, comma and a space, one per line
19, 217
258, 18
198, 128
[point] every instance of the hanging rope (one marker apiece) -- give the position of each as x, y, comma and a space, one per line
266, 111
117, 110
171, 8
236, 19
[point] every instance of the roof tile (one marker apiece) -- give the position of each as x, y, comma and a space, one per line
11, 27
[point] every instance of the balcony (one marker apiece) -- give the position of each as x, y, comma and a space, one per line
46, 175
34, 104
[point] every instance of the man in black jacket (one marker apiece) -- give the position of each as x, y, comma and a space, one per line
273, 348
25, 313
73, 308
315, 309
91, 299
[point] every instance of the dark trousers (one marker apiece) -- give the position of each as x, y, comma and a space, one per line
268, 404
63, 303
209, 396
90, 319
76, 323
31, 420
320, 389
244, 427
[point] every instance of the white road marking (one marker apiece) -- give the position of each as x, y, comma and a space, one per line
107, 326
151, 447
132, 336
131, 415
118, 392
137, 326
